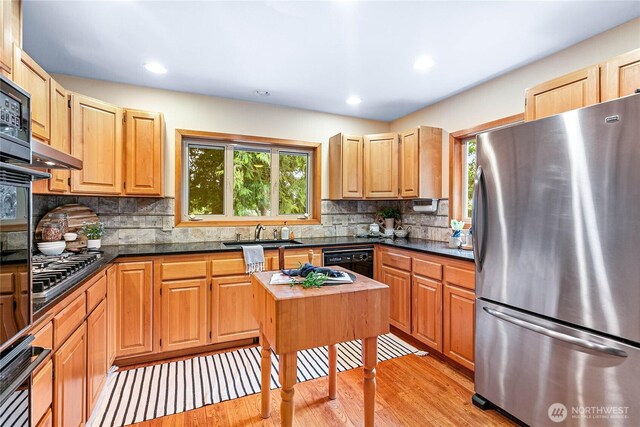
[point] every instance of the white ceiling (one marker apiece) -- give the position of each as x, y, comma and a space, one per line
310, 55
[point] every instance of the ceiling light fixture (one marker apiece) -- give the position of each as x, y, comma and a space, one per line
353, 100
155, 68
262, 92
423, 63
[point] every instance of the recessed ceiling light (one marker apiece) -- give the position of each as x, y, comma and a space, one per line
262, 93
156, 68
353, 100
423, 63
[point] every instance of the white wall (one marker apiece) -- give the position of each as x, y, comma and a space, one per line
504, 96
209, 113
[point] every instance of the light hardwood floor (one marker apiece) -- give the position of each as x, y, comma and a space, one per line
412, 391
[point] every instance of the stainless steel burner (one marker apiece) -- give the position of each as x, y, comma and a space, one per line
51, 273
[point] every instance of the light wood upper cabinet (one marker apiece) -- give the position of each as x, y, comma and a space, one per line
6, 36
346, 154
32, 78
134, 308
70, 365
143, 153
97, 356
96, 139
381, 165
184, 314
232, 317
427, 311
575, 90
59, 181
420, 156
621, 75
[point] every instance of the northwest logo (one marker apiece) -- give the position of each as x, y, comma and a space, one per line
557, 412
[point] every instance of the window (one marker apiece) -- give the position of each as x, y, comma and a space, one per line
468, 175
462, 173
233, 179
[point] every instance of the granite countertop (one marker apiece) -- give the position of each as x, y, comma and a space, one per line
110, 253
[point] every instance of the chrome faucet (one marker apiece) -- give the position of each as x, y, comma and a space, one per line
258, 231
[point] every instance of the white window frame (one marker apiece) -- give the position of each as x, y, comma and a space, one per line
229, 148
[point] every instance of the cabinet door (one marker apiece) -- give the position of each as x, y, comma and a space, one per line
459, 325
576, 90
112, 277
621, 75
70, 380
97, 363
96, 139
32, 78
409, 163
134, 308
352, 164
184, 314
399, 283
232, 316
46, 420
6, 37
381, 165
143, 153
427, 311
42, 391
59, 181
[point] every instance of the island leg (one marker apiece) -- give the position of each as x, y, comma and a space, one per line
288, 374
265, 370
333, 371
369, 360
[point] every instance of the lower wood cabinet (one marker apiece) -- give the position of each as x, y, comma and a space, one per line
70, 364
184, 314
46, 420
134, 308
232, 317
399, 283
42, 392
97, 357
459, 325
112, 277
427, 311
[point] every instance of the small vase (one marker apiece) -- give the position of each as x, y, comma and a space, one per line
388, 226
93, 243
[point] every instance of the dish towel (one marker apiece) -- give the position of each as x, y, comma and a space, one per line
253, 258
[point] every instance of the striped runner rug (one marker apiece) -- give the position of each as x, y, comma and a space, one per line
145, 393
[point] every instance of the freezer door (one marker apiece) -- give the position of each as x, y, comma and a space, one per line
557, 217
534, 369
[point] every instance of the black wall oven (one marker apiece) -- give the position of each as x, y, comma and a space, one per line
17, 357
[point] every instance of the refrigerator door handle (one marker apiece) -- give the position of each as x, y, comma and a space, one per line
532, 326
478, 247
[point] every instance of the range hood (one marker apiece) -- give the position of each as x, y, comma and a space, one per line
47, 157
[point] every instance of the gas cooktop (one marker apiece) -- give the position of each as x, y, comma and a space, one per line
52, 275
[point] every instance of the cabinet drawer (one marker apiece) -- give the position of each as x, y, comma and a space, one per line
235, 266
183, 270
460, 276
395, 260
69, 319
427, 268
44, 337
42, 391
96, 293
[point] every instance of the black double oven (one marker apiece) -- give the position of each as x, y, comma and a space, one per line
18, 358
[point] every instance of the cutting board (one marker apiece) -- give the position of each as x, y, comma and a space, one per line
78, 216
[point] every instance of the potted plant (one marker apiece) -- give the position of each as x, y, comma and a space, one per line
94, 232
389, 214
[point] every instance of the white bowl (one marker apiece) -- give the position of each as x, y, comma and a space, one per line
50, 244
56, 249
70, 237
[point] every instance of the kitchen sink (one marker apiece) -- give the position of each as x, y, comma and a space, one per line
266, 243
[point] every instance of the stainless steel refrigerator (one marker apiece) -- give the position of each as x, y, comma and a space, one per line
556, 223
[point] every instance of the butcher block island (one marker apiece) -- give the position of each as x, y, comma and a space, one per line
292, 318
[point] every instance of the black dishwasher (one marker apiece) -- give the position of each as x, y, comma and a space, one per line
359, 260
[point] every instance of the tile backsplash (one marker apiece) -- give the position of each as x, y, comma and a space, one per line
150, 220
